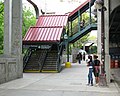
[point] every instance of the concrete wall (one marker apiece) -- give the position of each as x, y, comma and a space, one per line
8, 69
11, 62
114, 4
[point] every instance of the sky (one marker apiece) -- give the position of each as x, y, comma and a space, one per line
56, 6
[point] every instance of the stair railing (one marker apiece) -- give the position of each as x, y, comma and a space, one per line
58, 64
46, 53
26, 57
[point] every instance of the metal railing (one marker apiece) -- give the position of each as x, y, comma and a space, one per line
76, 28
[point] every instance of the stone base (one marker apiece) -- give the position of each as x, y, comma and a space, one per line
9, 69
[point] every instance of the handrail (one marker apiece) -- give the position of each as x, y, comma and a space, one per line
76, 28
26, 58
58, 59
42, 65
46, 53
84, 31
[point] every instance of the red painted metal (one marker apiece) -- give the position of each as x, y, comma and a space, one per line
52, 20
78, 8
48, 28
43, 34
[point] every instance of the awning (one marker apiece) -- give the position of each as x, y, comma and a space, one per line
43, 34
48, 28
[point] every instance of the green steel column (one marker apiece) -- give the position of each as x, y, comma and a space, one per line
68, 44
72, 32
90, 20
71, 28
79, 21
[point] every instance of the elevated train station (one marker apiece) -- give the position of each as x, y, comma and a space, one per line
47, 49
48, 37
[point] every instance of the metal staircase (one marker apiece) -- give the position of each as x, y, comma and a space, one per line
82, 32
43, 60
50, 64
35, 60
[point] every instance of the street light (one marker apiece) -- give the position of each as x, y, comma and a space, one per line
65, 36
99, 4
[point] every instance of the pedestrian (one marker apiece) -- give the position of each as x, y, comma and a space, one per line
96, 68
79, 57
82, 24
84, 56
90, 66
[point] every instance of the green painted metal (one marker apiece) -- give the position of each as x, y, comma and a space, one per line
68, 44
83, 32
90, 20
79, 20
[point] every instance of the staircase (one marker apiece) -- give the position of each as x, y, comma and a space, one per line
43, 60
50, 64
35, 61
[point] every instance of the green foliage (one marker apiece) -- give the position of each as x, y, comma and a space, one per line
92, 38
79, 43
93, 50
1, 26
28, 20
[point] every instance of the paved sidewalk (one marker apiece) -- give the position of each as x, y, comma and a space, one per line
69, 82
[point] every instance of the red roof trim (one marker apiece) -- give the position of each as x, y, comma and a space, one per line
52, 15
48, 27
78, 8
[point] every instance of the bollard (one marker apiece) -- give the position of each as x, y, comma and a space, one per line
67, 65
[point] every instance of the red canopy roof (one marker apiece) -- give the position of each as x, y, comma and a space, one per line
48, 29
52, 20
43, 34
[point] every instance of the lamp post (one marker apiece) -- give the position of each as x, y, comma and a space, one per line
66, 42
99, 4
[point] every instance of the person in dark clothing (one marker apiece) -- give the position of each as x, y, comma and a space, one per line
84, 56
90, 65
82, 24
96, 68
79, 57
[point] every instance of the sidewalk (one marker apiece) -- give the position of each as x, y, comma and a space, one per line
69, 82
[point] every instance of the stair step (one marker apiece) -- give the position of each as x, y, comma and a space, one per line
49, 71
31, 71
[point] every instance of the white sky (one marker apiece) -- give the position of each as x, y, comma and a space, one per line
56, 5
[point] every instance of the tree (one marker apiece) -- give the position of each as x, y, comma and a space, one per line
1, 26
28, 20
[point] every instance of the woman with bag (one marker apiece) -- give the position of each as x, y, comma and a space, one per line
96, 68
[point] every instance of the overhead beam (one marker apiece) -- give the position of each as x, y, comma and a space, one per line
35, 7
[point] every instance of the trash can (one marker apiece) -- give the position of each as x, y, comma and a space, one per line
67, 65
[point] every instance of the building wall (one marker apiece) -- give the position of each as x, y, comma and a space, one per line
114, 4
